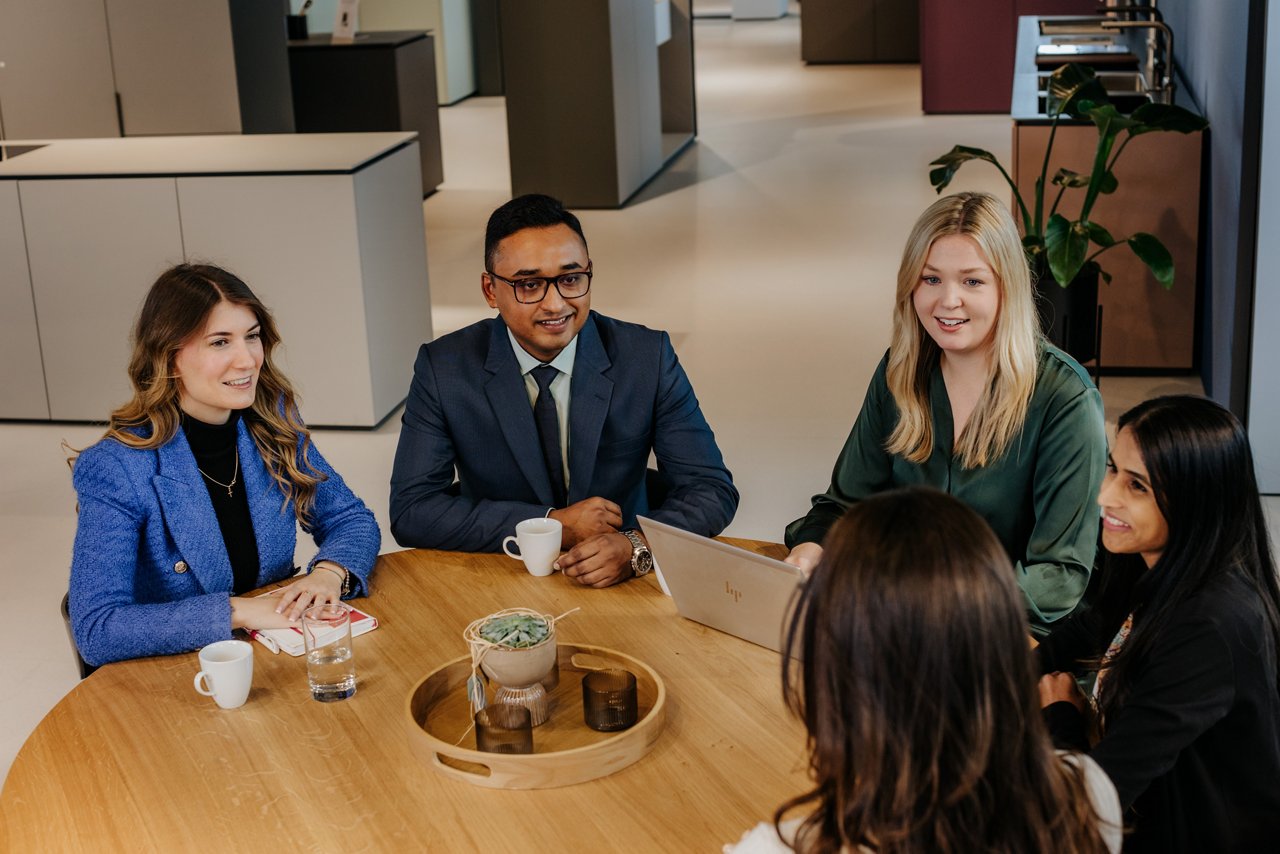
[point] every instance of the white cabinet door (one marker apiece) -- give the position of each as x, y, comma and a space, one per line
95, 246
294, 240
175, 66
56, 79
22, 393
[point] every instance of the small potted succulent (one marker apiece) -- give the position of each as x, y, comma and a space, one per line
1066, 251
521, 648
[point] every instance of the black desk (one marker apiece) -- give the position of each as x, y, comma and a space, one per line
382, 81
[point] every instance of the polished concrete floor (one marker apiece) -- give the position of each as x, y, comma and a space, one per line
768, 249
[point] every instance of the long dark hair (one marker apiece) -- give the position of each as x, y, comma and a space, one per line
177, 308
1201, 471
916, 684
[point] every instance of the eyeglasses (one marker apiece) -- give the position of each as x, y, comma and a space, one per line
534, 289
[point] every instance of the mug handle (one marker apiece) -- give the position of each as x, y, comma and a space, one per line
199, 689
508, 551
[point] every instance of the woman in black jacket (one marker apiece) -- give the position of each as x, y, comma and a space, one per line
1183, 637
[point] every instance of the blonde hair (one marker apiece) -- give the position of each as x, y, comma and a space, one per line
177, 308
914, 356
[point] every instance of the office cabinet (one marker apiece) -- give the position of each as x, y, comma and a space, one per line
379, 82
22, 393
448, 21
326, 228
96, 245
859, 31
200, 66
55, 81
593, 123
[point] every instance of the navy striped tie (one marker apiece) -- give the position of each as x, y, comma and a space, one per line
548, 423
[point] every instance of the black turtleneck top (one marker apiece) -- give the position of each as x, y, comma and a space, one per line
214, 447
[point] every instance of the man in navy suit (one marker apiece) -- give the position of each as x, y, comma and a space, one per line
551, 409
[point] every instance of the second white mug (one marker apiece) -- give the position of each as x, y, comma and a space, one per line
226, 668
539, 544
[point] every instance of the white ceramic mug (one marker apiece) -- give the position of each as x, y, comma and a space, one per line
226, 668
539, 544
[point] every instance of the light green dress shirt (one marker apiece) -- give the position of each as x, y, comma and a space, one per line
559, 388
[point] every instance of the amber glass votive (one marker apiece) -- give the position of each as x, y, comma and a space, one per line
609, 700
504, 728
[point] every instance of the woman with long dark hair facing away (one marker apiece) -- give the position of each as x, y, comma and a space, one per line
193, 496
907, 659
1183, 637
971, 400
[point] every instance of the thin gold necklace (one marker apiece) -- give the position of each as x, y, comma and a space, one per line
234, 474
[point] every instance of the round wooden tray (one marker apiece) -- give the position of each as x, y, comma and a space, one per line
566, 751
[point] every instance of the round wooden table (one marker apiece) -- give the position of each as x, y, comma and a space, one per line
133, 758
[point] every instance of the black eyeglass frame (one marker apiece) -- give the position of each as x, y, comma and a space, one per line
547, 282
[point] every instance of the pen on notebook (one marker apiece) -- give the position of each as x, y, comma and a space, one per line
266, 640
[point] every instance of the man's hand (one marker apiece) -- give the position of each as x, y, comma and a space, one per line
587, 518
598, 561
805, 557
1057, 686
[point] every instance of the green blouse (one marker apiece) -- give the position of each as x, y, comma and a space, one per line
1039, 497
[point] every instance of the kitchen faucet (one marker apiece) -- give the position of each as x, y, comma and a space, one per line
1162, 66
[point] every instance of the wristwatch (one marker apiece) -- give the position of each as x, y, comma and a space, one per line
641, 557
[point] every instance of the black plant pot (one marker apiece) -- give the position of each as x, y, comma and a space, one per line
1068, 316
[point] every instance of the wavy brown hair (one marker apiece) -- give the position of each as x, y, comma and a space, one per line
913, 676
176, 309
914, 356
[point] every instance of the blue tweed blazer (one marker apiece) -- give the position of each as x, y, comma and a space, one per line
150, 573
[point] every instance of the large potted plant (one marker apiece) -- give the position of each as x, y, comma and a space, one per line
1064, 252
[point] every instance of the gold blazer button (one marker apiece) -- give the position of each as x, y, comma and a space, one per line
180, 567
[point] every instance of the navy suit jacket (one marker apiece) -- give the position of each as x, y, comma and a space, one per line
150, 573
468, 412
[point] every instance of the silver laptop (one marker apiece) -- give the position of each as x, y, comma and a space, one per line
722, 586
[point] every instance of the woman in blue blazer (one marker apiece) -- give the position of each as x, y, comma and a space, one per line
192, 497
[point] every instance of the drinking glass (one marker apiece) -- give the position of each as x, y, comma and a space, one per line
331, 667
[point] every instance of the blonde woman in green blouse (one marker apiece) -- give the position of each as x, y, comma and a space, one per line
971, 399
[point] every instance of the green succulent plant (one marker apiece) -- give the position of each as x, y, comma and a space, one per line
1065, 246
515, 631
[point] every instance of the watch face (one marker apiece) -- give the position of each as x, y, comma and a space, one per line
642, 562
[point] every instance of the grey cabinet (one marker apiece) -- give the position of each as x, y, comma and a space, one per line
22, 392
327, 229
595, 108
860, 31
201, 66
55, 70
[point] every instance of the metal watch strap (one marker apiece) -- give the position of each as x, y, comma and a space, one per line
637, 547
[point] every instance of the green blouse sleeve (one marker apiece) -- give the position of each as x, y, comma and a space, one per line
1072, 455
862, 469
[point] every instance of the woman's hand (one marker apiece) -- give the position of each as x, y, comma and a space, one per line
323, 584
1058, 687
805, 557
258, 612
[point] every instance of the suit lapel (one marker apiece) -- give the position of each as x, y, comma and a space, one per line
274, 531
510, 403
589, 396
189, 517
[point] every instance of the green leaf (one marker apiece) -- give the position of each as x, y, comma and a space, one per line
1100, 235
1154, 254
1070, 85
1066, 245
1109, 120
1166, 117
1067, 178
1106, 277
951, 161
1108, 183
